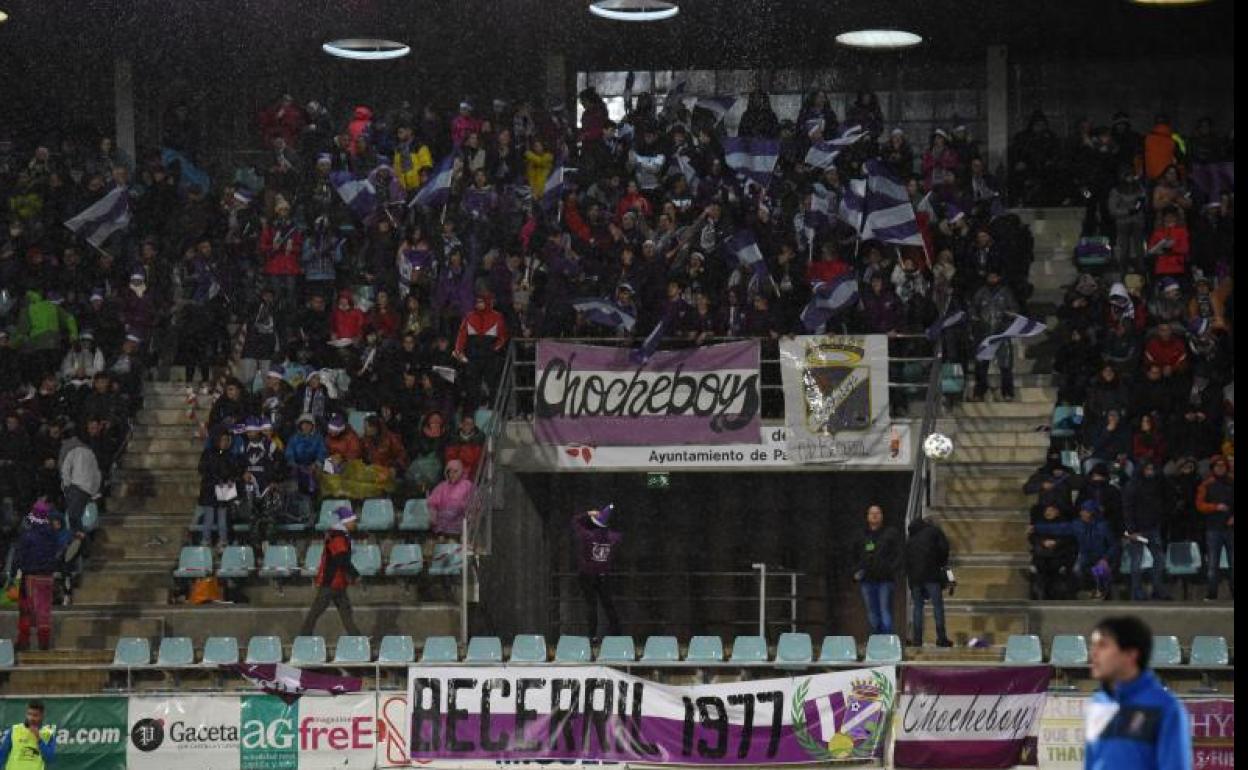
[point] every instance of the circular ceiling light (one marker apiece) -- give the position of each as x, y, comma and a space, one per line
634, 10
3, 17
366, 49
878, 38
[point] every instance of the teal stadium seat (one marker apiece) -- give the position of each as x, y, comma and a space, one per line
396, 648
353, 649
749, 649
132, 651
264, 649
415, 516
1069, 650
325, 520
660, 649
7, 658
838, 649
1209, 651
440, 649
483, 417
617, 649
356, 418
794, 648
366, 557
280, 561
91, 517
528, 648
484, 649
377, 515
175, 651
308, 651
1128, 558
406, 560
237, 561
220, 651
1023, 648
952, 379
312, 559
705, 649
448, 559
883, 649
1166, 651
573, 649
1066, 421
194, 561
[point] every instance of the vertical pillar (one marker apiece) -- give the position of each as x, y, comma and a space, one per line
123, 104
560, 84
997, 105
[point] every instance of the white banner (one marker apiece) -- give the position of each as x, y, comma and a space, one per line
1061, 734
183, 732
836, 399
771, 453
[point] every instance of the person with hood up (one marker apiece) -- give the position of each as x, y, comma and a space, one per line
463, 124
1145, 505
428, 448
42, 327
361, 120
82, 362
80, 481
597, 547
1215, 501
927, 571
448, 502
467, 445
220, 476
1098, 548
305, 452
334, 574
36, 559
1052, 556
411, 156
347, 322
382, 446
1160, 148
479, 346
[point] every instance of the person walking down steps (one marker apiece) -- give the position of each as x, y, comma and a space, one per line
335, 574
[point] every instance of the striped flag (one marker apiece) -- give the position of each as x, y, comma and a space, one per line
552, 193
821, 155
651, 343
1020, 328
719, 106
359, 194
753, 159
687, 171
437, 191
744, 248
101, 219
605, 313
956, 318
888, 215
288, 682
828, 299
853, 204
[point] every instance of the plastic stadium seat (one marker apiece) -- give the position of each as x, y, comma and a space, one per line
838, 649
794, 648
367, 559
952, 379
660, 649
883, 648
396, 649
1183, 559
1128, 558
528, 648
353, 649
308, 651
312, 559
406, 559
617, 649
377, 515
91, 517
6, 653
415, 516
482, 417
484, 649
705, 649
280, 561
220, 651
749, 649
132, 651
1023, 648
356, 418
440, 649
264, 649
573, 649
1209, 651
1066, 421
448, 559
175, 651
195, 561
326, 518
1223, 564
1166, 651
237, 561
1069, 650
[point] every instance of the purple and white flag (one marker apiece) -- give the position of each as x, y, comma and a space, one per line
552, 193
437, 191
288, 682
101, 219
888, 215
823, 154
359, 194
1020, 328
956, 318
719, 106
600, 396
853, 204
744, 249
752, 159
606, 313
828, 299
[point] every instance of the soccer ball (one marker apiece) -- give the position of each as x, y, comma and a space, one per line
937, 446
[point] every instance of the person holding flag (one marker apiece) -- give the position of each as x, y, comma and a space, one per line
597, 546
991, 308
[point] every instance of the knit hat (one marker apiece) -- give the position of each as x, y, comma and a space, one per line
1168, 283
96, 294
39, 512
325, 158
602, 516
238, 428
138, 277
306, 417
337, 424
277, 371
343, 515
253, 424
1090, 505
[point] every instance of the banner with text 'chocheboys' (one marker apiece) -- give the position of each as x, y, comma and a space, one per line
600, 714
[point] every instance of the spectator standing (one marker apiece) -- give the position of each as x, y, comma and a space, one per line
1215, 500
448, 502
597, 546
927, 570
36, 557
335, 574
1098, 548
992, 308
1145, 504
877, 555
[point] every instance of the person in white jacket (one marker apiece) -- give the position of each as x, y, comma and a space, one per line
82, 362
80, 480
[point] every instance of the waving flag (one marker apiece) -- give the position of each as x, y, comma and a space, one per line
744, 249
850, 135
359, 194
719, 106
651, 343
605, 313
288, 682
191, 174
1021, 327
753, 159
888, 215
956, 318
552, 193
823, 154
828, 299
853, 204
437, 191
101, 219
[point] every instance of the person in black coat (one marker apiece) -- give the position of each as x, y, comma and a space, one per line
877, 559
927, 562
218, 467
1052, 556
1146, 504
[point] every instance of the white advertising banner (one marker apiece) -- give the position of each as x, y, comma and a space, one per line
183, 732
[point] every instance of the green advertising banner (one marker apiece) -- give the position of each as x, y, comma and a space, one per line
91, 732
267, 740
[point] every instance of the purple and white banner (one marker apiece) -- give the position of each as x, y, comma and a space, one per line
592, 713
970, 717
599, 396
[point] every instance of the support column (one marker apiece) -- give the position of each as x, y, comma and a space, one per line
998, 106
123, 105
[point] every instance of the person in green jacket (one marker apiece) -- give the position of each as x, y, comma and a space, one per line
43, 329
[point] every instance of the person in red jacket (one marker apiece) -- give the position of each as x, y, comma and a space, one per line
347, 322
335, 574
828, 267
1167, 351
479, 346
286, 119
383, 318
361, 119
281, 245
1169, 244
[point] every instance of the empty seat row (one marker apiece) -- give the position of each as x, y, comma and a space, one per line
1071, 650
405, 560
378, 515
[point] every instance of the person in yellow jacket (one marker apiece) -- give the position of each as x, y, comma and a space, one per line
538, 163
410, 157
30, 745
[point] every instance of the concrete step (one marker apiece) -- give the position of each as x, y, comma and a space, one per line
1004, 439
955, 425
141, 548
980, 535
981, 499
180, 503
184, 444
134, 589
182, 460
158, 416
155, 487
965, 621
1026, 456
1036, 410
173, 399
992, 582
185, 431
